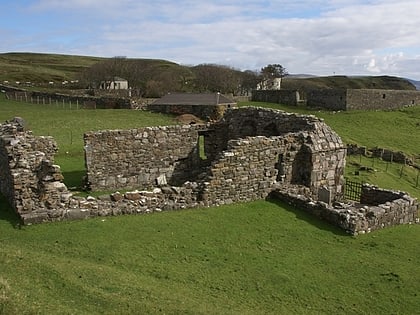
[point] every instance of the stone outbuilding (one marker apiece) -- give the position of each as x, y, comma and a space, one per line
207, 106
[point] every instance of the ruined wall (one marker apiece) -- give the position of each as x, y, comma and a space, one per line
247, 170
289, 167
139, 158
314, 151
354, 218
380, 99
287, 97
28, 177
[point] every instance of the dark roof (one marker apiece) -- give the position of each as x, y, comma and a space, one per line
193, 99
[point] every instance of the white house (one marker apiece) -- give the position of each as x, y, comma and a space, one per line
116, 83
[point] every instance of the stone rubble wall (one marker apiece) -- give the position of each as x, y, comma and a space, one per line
29, 179
384, 154
137, 158
356, 218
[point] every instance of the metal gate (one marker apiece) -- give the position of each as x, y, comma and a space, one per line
352, 190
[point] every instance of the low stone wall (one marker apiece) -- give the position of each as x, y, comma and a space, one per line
386, 208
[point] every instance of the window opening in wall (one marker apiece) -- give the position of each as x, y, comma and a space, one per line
383, 95
280, 167
412, 102
302, 168
201, 147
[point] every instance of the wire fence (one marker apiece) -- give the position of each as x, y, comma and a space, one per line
58, 103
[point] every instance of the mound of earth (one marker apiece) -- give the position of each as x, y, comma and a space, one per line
189, 119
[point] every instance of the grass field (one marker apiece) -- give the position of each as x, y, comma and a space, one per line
262, 257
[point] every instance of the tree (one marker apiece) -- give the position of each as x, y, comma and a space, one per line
273, 71
271, 76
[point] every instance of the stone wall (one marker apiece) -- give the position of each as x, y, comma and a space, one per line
331, 99
343, 99
389, 208
368, 99
29, 180
287, 97
205, 112
289, 148
141, 158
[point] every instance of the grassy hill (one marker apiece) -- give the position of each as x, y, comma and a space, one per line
344, 82
42, 68
154, 73
262, 257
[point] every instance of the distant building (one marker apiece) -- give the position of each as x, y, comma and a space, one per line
116, 83
270, 84
207, 106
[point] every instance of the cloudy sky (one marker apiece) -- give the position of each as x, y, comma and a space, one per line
342, 37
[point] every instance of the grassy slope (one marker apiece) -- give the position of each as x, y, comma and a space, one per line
42, 68
255, 258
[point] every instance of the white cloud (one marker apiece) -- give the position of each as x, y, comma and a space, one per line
319, 37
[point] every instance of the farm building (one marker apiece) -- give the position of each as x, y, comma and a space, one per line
207, 106
116, 83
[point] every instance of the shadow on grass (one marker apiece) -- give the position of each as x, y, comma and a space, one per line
309, 218
74, 179
7, 214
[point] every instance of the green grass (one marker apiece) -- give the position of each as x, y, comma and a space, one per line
256, 258
262, 257
42, 68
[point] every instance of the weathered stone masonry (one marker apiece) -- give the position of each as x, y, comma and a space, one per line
342, 99
250, 154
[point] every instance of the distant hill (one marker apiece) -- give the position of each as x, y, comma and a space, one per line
415, 83
344, 82
155, 74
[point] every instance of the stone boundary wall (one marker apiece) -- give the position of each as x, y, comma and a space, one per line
369, 99
384, 154
342, 99
287, 97
331, 99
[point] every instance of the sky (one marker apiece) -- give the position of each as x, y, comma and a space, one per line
332, 37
